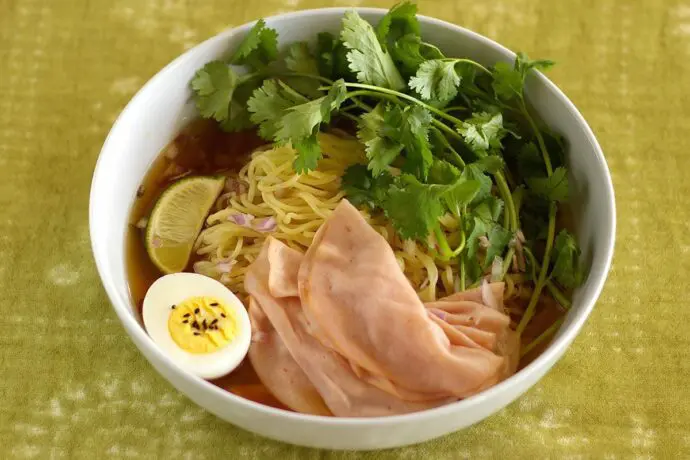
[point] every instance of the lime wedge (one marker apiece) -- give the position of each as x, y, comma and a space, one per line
177, 218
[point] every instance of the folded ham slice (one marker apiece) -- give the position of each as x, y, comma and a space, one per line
340, 330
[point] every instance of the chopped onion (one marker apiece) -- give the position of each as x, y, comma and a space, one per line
258, 336
440, 313
243, 220
225, 267
266, 224
520, 236
172, 151
142, 223
488, 296
497, 269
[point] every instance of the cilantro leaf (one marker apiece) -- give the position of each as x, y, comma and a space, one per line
442, 172
491, 164
308, 154
400, 20
409, 52
483, 132
381, 150
524, 64
489, 209
406, 194
484, 224
566, 261
478, 227
436, 80
459, 191
284, 115
300, 123
498, 238
213, 87
399, 34
414, 122
509, 81
259, 47
361, 188
331, 57
554, 187
473, 269
459, 194
389, 131
267, 105
473, 172
299, 59
367, 59
239, 117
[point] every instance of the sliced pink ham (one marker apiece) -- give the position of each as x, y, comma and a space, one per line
278, 370
330, 376
342, 326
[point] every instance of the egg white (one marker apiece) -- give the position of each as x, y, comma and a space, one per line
173, 289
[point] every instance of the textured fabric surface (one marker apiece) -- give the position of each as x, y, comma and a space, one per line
74, 386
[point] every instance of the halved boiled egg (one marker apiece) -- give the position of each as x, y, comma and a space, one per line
198, 322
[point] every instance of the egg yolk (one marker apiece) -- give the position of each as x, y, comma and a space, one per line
202, 324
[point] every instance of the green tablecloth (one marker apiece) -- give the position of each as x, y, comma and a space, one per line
74, 386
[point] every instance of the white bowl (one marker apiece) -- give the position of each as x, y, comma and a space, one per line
158, 111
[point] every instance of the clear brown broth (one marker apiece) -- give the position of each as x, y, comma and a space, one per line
202, 148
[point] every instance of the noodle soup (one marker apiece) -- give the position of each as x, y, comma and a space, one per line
384, 232
202, 148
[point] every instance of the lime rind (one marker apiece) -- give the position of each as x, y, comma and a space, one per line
177, 219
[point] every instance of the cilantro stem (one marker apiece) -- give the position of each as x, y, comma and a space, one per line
468, 61
433, 47
456, 108
361, 105
510, 217
542, 337
349, 116
461, 246
539, 285
370, 93
446, 252
303, 75
540, 138
558, 295
407, 97
444, 127
454, 157
294, 93
550, 285
508, 260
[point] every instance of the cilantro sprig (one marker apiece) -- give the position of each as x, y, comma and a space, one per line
444, 136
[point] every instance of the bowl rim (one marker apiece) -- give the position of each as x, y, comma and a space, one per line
121, 303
